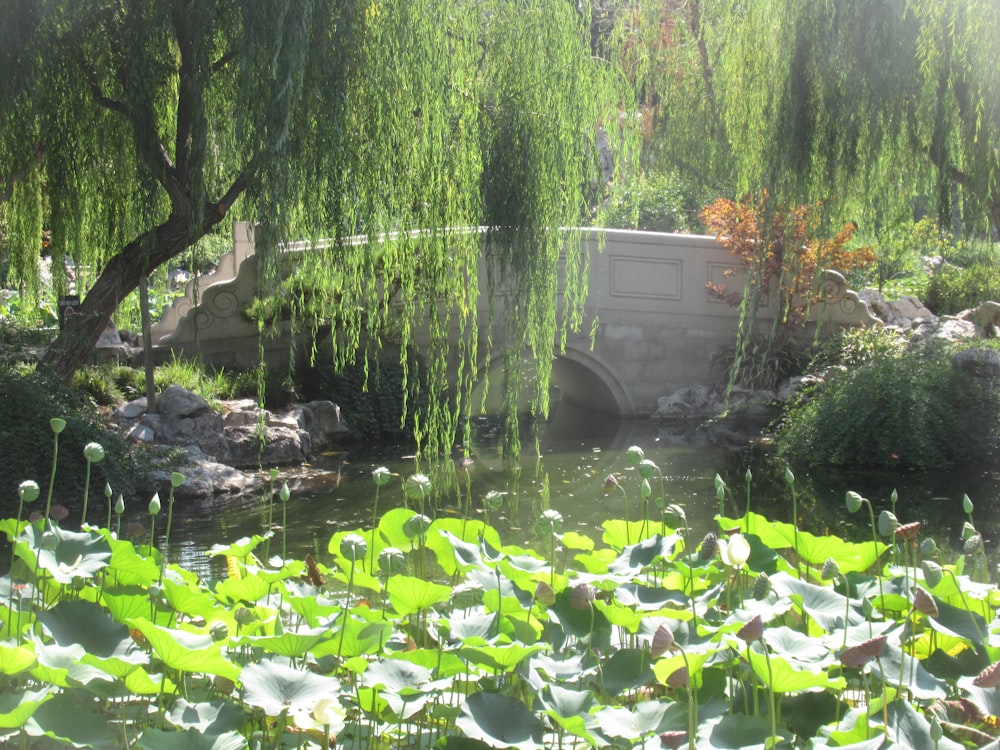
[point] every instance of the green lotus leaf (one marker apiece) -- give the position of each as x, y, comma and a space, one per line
17, 707
275, 688
441, 663
464, 535
86, 623
140, 682
504, 658
576, 541
646, 718
627, 669
128, 568
63, 666
293, 645
824, 605
499, 721
188, 599
960, 622
74, 555
739, 732
241, 549
635, 558
248, 590
16, 659
354, 637
785, 676
185, 651
565, 702
190, 739
69, 719
619, 535
663, 668
398, 676
214, 717
125, 603
410, 595
390, 527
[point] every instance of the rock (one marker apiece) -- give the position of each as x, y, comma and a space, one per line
946, 329
217, 444
980, 363
986, 319
179, 402
203, 477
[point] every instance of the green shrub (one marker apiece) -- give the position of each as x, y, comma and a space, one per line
764, 363
952, 289
854, 347
900, 409
654, 202
27, 402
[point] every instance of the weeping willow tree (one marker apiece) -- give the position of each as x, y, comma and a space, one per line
873, 106
130, 129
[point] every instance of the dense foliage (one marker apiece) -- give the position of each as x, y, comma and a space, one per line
751, 634
26, 442
130, 132
883, 404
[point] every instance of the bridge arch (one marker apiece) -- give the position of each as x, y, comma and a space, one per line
578, 377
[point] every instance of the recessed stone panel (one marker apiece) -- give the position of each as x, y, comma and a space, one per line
646, 278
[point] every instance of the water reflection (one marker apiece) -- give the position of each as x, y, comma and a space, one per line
577, 452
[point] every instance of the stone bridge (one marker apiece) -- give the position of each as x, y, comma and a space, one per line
657, 325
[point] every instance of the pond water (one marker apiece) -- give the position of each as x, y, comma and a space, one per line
578, 450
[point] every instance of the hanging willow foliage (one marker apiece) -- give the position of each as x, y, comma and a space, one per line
142, 125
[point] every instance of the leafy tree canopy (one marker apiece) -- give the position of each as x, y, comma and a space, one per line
130, 129
878, 105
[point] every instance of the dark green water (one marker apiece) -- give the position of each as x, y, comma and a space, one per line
578, 451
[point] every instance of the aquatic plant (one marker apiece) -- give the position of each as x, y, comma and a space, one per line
764, 636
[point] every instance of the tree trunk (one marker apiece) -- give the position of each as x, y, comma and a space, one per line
75, 343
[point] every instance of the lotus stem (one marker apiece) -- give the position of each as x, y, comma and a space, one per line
770, 690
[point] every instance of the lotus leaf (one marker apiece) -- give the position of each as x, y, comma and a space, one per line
275, 688
500, 721
190, 739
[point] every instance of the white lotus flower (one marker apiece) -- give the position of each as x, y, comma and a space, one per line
734, 551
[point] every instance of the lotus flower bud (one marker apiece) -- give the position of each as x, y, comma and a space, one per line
663, 641
57, 425
582, 596
154, 504
611, 483
830, 569
119, 504
734, 551
752, 631
93, 452
856, 657
272, 475
354, 547
673, 740
989, 677
936, 732
648, 469
720, 487
675, 515
416, 526
748, 476
219, 631
107, 490
417, 487
550, 522
933, 573
176, 479
972, 544
645, 490
789, 477
678, 678
545, 594
28, 491
493, 500
853, 501
761, 587
924, 602
391, 560
284, 493
381, 476
968, 530
887, 523
634, 454
709, 546
967, 505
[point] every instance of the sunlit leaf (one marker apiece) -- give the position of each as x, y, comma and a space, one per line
410, 595
190, 739
184, 651
275, 688
214, 717
294, 645
15, 659
499, 721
